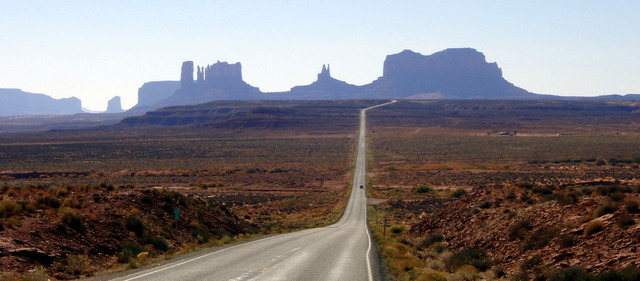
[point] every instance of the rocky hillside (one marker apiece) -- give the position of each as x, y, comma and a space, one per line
73, 231
528, 230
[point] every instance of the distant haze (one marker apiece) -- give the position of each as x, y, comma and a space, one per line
95, 50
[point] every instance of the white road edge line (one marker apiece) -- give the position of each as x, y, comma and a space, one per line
366, 226
197, 258
366, 223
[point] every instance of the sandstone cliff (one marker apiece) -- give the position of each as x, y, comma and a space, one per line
219, 81
152, 92
450, 74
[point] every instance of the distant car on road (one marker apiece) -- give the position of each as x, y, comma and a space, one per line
361, 186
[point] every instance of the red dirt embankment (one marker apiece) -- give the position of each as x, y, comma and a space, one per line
75, 231
544, 227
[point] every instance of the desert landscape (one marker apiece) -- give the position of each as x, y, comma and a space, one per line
319, 140
467, 190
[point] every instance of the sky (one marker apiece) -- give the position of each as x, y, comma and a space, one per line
95, 50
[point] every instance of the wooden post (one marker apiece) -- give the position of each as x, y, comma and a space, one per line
384, 231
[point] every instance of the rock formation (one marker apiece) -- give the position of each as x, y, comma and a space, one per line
325, 73
153, 92
219, 81
220, 74
452, 74
114, 105
326, 87
17, 102
186, 76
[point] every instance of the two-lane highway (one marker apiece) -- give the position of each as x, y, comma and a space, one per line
342, 251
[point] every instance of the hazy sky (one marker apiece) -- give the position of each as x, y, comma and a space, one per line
95, 50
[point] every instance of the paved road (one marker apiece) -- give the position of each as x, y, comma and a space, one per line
342, 251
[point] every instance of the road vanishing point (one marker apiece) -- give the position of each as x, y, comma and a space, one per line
342, 251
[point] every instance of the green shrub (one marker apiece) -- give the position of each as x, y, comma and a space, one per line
146, 199
77, 265
632, 206
458, 193
543, 190
220, 232
477, 258
520, 229
201, 235
432, 239
276, 170
617, 196
423, 189
135, 225
499, 271
168, 207
433, 276
566, 198
570, 274
525, 185
129, 252
523, 275
48, 201
406, 241
527, 199
74, 221
626, 221
593, 227
397, 229
172, 197
157, 243
607, 207
9, 208
627, 274
440, 249
567, 240
96, 198
612, 189
540, 238
532, 262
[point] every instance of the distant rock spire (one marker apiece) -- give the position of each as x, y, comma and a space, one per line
325, 73
186, 76
200, 76
114, 105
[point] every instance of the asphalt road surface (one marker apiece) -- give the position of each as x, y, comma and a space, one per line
342, 251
